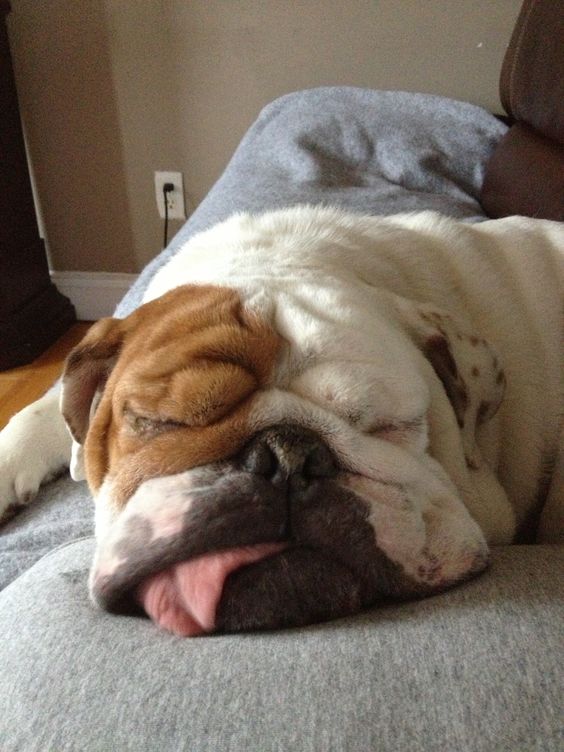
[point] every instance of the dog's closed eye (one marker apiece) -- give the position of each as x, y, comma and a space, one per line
402, 426
403, 432
144, 425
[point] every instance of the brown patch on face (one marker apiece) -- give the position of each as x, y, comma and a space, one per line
179, 394
475, 372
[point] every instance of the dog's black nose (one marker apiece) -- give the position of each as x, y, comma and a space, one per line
284, 453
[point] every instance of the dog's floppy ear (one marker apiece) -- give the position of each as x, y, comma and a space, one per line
86, 371
467, 365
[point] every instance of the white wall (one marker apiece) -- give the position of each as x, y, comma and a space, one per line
111, 90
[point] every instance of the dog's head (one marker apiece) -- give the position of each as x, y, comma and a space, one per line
265, 462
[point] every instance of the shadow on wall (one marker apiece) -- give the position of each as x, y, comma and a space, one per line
62, 62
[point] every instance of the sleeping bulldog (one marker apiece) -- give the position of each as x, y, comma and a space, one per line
312, 412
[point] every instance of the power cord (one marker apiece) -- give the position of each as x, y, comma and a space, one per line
167, 188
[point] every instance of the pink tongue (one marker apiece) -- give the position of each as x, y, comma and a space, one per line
184, 598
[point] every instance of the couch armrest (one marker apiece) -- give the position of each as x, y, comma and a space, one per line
526, 172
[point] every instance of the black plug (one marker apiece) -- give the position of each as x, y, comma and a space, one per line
167, 188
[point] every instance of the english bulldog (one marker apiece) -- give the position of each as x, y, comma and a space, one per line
313, 411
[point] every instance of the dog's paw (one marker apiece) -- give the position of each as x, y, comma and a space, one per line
34, 448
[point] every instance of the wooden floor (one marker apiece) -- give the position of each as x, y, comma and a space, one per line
21, 386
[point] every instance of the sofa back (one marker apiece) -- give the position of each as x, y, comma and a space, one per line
525, 174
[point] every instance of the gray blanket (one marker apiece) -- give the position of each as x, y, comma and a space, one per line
368, 151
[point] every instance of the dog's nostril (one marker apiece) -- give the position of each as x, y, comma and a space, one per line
319, 463
260, 460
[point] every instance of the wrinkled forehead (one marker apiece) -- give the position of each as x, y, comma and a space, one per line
203, 327
343, 342
335, 339
199, 322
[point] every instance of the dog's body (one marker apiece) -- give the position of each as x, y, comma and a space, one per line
344, 407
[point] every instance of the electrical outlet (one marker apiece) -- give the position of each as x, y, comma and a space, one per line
175, 198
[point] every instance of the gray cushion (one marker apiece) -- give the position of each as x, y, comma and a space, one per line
478, 668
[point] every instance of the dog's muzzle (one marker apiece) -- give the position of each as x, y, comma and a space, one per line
272, 538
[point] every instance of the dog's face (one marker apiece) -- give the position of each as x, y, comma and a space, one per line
265, 463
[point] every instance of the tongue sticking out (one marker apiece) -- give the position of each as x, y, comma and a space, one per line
183, 598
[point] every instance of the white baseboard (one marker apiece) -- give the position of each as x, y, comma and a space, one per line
93, 294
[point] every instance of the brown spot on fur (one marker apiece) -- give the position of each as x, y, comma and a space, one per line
438, 352
474, 341
500, 378
475, 372
432, 317
483, 411
189, 363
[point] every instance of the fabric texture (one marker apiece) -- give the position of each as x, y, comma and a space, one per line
478, 668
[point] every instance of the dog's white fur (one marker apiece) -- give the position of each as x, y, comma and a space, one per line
357, 298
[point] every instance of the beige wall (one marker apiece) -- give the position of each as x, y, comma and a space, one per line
112, 90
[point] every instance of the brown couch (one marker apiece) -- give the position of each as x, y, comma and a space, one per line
526, 172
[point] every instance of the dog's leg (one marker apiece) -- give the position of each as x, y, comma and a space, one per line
34, 447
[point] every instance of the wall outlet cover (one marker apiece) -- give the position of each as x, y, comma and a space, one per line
175, 198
